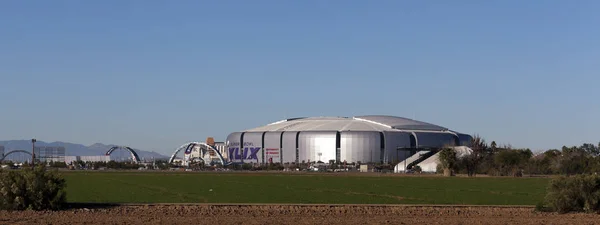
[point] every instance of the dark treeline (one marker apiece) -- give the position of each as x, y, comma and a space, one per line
506, 161
159, 164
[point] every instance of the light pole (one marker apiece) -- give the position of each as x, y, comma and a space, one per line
33, 152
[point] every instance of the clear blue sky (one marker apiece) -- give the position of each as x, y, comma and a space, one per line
155, 74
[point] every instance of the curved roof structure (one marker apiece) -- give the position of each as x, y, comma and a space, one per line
401, 123
358, 123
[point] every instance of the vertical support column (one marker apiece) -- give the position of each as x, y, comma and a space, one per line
338, 147
382, 147
281, 148
263, 148
297, 148
242, 148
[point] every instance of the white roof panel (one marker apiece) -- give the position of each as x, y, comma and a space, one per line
321, 124
402, 123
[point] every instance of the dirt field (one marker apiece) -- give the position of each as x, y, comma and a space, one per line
294, 214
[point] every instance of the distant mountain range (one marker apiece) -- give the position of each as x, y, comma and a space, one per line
79, 149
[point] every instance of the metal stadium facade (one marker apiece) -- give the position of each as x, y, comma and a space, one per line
364, 139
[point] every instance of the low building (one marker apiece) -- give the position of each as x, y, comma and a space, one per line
88, 158
222, 148
366, 168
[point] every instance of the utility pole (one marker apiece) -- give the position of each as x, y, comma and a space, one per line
33, 152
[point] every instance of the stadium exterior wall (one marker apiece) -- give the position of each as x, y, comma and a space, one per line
272, 147
289, 146
361, 146
338, 139
394, 140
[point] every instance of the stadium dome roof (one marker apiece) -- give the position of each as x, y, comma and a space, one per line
358, 123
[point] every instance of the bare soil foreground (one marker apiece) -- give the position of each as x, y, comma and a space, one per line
295, 214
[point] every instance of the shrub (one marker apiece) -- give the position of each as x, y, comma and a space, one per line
274, 166
579, 193
58, 164
448, 160
417, 169
246, 166
32, 188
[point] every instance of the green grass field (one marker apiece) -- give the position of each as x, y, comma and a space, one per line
169, 187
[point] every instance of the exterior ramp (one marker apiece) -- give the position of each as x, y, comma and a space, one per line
430, 164
399, 168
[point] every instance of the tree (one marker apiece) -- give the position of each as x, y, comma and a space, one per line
448, 160
590, 149
472, 161
574, 162
539, 165
512, 161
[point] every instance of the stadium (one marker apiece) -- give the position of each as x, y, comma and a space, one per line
359, 139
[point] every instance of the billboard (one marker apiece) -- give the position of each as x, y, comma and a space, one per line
253, 152
272, 155
50, 153
245, 148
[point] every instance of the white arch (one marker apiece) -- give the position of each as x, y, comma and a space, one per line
204, 154
3, 156
134, 155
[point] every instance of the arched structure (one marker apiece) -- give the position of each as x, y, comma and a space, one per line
134, 154
205, 152
14, 151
